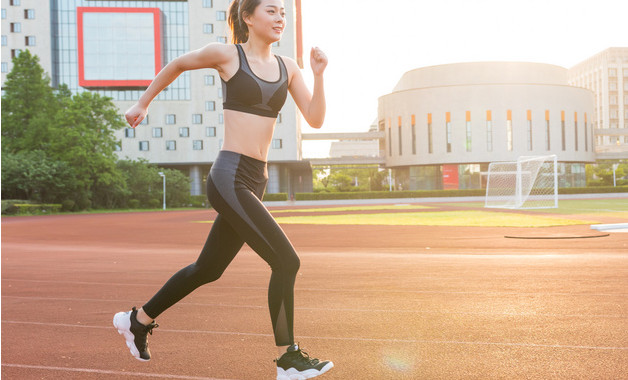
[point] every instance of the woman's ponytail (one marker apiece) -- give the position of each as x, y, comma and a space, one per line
239, 29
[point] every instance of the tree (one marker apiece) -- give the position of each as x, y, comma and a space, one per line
34, 176
28, 105
145, 186
83, 131
603, 171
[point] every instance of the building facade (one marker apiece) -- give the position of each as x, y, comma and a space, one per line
606, 74
115, 48
444, 124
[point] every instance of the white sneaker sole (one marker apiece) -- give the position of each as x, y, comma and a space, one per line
122, 322
294, 374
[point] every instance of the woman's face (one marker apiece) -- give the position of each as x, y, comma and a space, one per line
268, 21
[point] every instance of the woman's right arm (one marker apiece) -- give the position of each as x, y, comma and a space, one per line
212, 56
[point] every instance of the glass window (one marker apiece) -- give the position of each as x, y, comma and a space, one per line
612, 86
613, 100
158, 132
449, 136
184, 132
210, 105
208, 3
562, 129
575, 131
279, 118
29, 40
612, 72
118, 46
171, 145
276, 44
429, 138
16, 27
468, 143
144, 121
509, 143
29, 14
210, 131
197, 145
143, 146
277, 144
171, 119
222, 39
413, 136
209, 80
221, 16
5, 67
547, 135
221, 119
400, 142
208, 28
129, 132
4, 40
220, 93
489, 135
529, 135
14, 2
197, 118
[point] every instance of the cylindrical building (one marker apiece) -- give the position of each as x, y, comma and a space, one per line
445, 124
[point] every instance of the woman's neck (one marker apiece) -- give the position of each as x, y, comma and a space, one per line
258, 49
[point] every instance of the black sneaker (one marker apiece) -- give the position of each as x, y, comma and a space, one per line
134, 333
297, 365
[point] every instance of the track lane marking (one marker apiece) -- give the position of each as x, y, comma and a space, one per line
385, 340
356, 310
108, 372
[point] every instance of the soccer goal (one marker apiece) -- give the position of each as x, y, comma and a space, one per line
530, 182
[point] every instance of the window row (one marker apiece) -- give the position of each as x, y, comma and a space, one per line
489, 132
197, 118
171, 145
158, 132
28, 41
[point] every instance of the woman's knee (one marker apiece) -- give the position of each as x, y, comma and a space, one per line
202, 275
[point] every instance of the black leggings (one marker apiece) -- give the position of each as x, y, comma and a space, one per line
235, 186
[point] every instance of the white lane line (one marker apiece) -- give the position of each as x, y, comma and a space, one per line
337, 290
353, 310
107, 372
385, 340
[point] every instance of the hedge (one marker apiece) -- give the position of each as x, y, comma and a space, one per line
390, 194
37, 209
443, 193
275, 197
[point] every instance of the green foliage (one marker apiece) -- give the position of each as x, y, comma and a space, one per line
145, 185
601, 173
74, 136
35, 176
275, 197
349, 179
28, 104
199, 201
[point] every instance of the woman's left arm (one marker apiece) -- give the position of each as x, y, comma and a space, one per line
312, 106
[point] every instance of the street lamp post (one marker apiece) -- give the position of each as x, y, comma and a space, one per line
164, 181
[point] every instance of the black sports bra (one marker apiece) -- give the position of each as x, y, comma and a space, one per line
246, 92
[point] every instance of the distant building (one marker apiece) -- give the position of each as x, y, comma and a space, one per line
444, 124
606, 74
115, 48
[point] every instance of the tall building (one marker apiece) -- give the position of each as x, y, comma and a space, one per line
606, 74
115, 48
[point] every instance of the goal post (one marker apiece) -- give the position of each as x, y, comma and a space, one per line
530, 182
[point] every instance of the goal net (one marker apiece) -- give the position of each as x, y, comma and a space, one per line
530, 182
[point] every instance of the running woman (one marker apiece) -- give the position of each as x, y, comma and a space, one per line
255, 84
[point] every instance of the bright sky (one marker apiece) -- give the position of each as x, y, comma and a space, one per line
372, 43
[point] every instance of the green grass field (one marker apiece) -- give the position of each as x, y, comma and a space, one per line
569, 212
470, 218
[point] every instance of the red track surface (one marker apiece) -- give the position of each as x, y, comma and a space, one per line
382, 302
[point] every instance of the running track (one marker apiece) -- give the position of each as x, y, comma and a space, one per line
382, 302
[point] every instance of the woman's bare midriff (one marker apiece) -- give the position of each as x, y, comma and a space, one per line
248, 134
